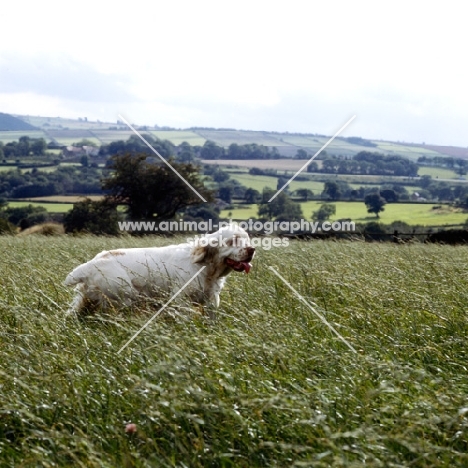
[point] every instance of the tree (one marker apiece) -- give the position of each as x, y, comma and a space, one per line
282, 208
425, 181
390, 195
202, 212
211, 150
235, 151
185, 152
153, 190
374, 203
251, 195
85, 142
135, 145
301, 154
312, 167
461, 163
84, 160
220, 176
225, 193
304, 193
281, 182
24, 146
324, 212
33, 214
95, 217
332, 191
38, 147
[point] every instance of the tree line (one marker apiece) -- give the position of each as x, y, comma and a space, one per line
210, 150
24, 147
370, 163
62, 181
457, 164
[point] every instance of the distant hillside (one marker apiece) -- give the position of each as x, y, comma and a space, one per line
454, 151
10, 123
66, 131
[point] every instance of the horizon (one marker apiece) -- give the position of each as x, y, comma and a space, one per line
195, 127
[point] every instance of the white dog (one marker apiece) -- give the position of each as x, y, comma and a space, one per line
121, 276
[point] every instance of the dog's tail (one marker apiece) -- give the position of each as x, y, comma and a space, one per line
78, 275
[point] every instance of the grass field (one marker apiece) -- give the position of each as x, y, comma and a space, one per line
260, 182
107, 136
178, 136
50, 207
286, 164
291, 166
69, 141
438, 172
241, 137
267, 384
411, 213
60, 123
7, 136
65, 198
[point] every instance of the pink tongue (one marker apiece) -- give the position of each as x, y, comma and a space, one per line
247, 266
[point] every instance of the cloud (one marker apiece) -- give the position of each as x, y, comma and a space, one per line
60, 76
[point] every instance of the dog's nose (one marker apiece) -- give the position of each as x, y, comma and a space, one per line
250, 250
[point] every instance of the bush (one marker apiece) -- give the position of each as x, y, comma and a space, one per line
94, 217
6, 227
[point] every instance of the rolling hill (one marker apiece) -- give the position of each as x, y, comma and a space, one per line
65, 131
10, 123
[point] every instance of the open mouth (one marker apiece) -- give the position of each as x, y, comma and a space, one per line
238, 266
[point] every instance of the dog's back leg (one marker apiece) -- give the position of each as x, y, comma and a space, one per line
78, 303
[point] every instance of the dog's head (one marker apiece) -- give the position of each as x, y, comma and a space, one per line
229, 247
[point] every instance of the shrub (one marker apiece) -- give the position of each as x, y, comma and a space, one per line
94, 217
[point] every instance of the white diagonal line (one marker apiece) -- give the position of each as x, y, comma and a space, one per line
313, 310
312, 158
160, 157
160, 310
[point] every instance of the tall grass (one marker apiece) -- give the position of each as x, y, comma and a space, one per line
267, 384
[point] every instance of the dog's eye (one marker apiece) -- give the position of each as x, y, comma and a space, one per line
229, 242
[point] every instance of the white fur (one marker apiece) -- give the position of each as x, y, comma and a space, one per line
119, 277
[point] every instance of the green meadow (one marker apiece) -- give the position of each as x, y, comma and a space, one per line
437, 172
411, 213
267, 384
50, 207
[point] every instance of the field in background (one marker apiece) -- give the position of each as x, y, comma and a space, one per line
267, 384
6, 137
438, 172
61, 130
68, 131
426, 214
50, 207
289, 167
178, 137
315, 183
411, 213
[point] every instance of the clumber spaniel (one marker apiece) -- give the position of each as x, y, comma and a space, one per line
119, 277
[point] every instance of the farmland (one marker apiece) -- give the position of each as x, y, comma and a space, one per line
67, 131
267, 384
424, 214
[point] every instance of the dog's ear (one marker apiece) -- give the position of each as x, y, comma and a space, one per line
202, 252
198, 253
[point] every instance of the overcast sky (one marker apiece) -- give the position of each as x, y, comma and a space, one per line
297, 66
